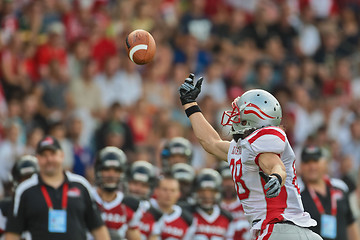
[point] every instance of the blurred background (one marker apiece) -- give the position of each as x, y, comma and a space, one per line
64, 71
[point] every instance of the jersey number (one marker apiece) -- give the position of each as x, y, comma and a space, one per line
241, 189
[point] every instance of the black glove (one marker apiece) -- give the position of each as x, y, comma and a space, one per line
189, 92
272, 186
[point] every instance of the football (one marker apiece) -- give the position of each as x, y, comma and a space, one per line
141, 46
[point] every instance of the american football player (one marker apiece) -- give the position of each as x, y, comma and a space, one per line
141, 181
23, 169
231, 203
185, 174
120, 213
212, 222
261, 161
177, 150
178, 222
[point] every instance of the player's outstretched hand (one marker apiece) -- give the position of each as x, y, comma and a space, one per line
188, 91
272, 186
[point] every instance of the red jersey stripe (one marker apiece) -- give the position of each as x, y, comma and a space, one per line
275, 207
266, 131
267, 236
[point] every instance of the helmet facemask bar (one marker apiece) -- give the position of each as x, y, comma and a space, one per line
109, 183
231, 116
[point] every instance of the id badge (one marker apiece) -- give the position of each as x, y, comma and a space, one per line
57, 221
328, 226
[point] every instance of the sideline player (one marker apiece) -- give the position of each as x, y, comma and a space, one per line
22, 170
120, 213
231, 203
177, 150
212, 222
261, 160
185, 174
141, 179
178, 222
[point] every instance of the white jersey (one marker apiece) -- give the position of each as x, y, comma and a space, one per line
243, 158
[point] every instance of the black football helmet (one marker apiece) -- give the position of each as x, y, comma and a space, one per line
185, 174
210, 179
109, 158
24, 168
144, 172
176, 146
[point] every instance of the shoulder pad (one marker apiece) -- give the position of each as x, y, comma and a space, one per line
131, 202
226, 214
187, 216
274, 132
156, 213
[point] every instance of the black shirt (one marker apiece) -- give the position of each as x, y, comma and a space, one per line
344, 216
5, 211
30, 212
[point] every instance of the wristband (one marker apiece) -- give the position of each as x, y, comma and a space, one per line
191, 110
278, 177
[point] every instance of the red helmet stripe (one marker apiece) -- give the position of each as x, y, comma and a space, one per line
253, 112
261, 111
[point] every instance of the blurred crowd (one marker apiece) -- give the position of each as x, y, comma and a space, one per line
64, 71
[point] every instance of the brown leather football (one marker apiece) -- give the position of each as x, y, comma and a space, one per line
141, 46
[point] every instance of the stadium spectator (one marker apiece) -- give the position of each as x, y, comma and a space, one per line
116, 119
109, 81
84, 92
52, 51
10, 150
215, 87
58, 131
10, 71
130, 85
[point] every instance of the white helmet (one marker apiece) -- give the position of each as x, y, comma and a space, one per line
254, 109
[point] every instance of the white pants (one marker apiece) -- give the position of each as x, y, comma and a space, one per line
283, 231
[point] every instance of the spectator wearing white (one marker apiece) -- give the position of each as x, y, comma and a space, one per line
130, 90
109, 82
85, 92
10, 150
309, 36
215, 86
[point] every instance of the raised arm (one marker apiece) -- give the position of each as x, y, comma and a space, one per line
205, 133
